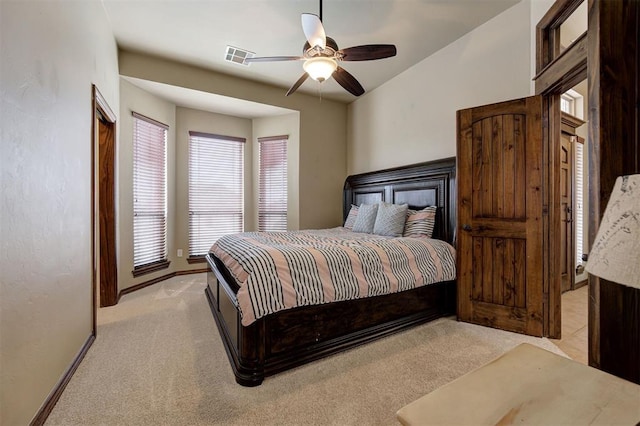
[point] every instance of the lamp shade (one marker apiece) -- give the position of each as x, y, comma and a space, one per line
615, 255
320, 68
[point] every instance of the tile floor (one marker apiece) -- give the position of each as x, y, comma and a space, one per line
574, 325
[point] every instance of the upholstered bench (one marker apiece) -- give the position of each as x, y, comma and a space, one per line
529, 385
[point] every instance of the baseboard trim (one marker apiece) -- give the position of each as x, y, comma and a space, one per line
193, 271
580, 284
54, 396
157, 280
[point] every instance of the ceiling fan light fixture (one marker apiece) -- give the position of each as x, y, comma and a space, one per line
321, 55
320, 68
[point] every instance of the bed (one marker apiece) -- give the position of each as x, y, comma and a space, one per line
285, 339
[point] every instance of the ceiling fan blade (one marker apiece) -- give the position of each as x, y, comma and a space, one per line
314, 30
368, 52
273, 58
297, 84
348, 81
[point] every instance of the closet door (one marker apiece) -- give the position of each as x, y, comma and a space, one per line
500, 212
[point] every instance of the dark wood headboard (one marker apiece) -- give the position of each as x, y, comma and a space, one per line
419, 185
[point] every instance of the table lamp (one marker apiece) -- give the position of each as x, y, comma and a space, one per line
615, 254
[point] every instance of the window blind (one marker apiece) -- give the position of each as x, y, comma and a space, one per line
579, 210
272, 198
216, 189
149, 191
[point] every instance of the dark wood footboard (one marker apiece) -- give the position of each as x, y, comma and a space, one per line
294, 337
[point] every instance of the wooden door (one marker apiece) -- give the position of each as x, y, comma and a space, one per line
567, 274
500, 216
107, 214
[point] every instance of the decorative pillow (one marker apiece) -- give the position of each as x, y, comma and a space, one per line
390, 219
420, 222
366, 218
351, 217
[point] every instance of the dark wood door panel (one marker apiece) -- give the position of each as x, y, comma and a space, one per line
499, 167
500, 281
502, 317
496, 227
499, 266
107, 214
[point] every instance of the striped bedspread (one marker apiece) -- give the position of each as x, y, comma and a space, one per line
284, 270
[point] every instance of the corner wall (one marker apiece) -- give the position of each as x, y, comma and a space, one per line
52, 53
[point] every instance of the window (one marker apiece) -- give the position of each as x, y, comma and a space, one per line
272, 200
579, 218
567, 104
149, 195
216, 189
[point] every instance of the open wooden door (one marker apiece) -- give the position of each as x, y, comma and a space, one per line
500, 216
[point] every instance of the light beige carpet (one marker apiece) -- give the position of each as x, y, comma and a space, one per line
158, 359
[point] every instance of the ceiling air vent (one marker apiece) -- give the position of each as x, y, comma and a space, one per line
237, 55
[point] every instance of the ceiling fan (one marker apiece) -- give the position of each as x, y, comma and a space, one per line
321, 56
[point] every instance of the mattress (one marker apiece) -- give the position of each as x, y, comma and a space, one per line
284, 270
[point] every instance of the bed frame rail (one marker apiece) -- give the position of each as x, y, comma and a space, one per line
298, 336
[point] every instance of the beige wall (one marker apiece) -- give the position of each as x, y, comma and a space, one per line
323, 134
289, 125
134, 99
202, 121
52, 52
412, 118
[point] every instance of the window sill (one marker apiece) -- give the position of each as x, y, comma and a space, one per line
150, 267
196, 259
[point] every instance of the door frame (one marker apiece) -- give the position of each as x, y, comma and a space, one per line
569, 125
100, 108
614, 150
557, 71
568, 225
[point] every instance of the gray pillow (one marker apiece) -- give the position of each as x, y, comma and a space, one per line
366, 218
390, 219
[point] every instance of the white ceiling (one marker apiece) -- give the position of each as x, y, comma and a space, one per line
198, 31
